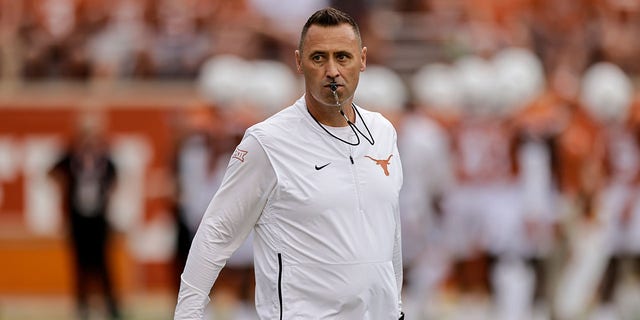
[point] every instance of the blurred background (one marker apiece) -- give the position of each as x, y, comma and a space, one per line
518, 124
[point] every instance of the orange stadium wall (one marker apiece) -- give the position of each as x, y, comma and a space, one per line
33, 246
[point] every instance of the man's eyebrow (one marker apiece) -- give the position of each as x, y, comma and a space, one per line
320, 52
316, 52
344, 52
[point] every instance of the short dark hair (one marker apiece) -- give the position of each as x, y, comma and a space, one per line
329, 17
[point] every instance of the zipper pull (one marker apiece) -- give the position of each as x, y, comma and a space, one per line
351, 158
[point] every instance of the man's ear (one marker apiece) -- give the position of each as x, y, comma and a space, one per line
298, 61
363, 61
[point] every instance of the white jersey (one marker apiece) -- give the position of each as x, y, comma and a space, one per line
325, 216
426, 158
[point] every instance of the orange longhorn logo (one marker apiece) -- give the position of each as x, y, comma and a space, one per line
382, 163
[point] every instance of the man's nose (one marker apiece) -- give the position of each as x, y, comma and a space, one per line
332, 69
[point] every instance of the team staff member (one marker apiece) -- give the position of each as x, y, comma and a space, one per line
87, 175
318, 183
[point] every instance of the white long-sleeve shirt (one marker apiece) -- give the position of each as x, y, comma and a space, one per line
325, 216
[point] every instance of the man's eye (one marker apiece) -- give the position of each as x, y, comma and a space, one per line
342, 57
316, 58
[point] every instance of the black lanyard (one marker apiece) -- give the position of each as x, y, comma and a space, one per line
354, 128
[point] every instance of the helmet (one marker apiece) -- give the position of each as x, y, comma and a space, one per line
519, 79
222, 79
436, 86
606, 92
381, 89
271, 86
477, 83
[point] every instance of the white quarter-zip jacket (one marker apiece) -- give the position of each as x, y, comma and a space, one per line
325, 216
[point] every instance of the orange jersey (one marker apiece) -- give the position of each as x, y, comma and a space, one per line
484, 151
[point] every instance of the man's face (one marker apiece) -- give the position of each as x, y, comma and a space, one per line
330, 54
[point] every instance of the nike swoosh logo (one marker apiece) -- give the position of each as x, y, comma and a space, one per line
320, 167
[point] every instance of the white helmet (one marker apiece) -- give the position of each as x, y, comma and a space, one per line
477, 84
271, 86
519, 79
222, 79
606, 92
436, 86
381, 89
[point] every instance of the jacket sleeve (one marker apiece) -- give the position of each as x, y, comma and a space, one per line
397, 246
230, 217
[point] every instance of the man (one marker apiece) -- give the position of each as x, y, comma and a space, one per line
88, 176
318, 183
